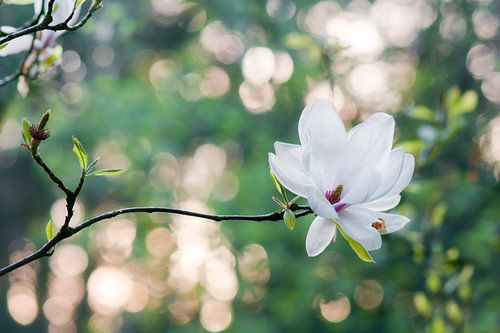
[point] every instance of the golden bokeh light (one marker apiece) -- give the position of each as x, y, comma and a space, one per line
253, 264
215, 83
160, 242
165, 171
114, 240
369, 294
22, 303
58, 213
283, 67
58, 310
490, 145
69, 260
109, 289
335, 310
215, 316
481, 60
258, 65
257, 99
139, 297
219, 275
357, 33
70, 288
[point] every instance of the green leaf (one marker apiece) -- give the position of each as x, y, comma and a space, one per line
289, 219
278, 185
49, 230
92, 165
422, 304
357, 248
4, 45
467, 103
80, 153
26, 131
422, 113
107, 172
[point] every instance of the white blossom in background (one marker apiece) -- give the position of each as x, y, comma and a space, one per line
349, 177
46, 53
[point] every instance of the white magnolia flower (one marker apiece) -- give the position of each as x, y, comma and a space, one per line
349, 177
45, 39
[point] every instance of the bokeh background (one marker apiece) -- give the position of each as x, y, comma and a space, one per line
190, 97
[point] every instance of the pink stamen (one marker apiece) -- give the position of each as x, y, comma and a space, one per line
333, 197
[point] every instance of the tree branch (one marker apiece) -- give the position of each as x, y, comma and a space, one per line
66, 231
45, 23
51, 174
19, 71
37, 25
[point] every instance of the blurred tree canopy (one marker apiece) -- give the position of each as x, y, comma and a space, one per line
190, 97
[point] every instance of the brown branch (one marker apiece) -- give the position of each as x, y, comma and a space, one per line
66, 231
51, 174
44, 24
20, 70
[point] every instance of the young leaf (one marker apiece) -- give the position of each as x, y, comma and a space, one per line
4, 45
78, 3
92, 165
289, 219
49, 230
279, 187
358, 248
26, 131
80, 153
107, 172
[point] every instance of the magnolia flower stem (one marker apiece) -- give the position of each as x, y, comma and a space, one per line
66, 231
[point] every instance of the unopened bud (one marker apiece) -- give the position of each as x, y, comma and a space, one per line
39, 133
45, 119
289, 219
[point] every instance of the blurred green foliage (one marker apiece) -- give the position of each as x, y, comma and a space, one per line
136, 95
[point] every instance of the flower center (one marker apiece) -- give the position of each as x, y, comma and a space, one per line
333, 197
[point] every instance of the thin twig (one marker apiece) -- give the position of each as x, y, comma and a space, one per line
20, 70
51, 174
45, 23
66, 232
37, 25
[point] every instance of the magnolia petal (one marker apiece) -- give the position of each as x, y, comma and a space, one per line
359, 189
288, 152
321, 161
393, 222
321, 120
320, 235
382, 204
356, 222
405, 176
62, 9
17, 45
291, 177
319, 204
391, 168
372, 139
